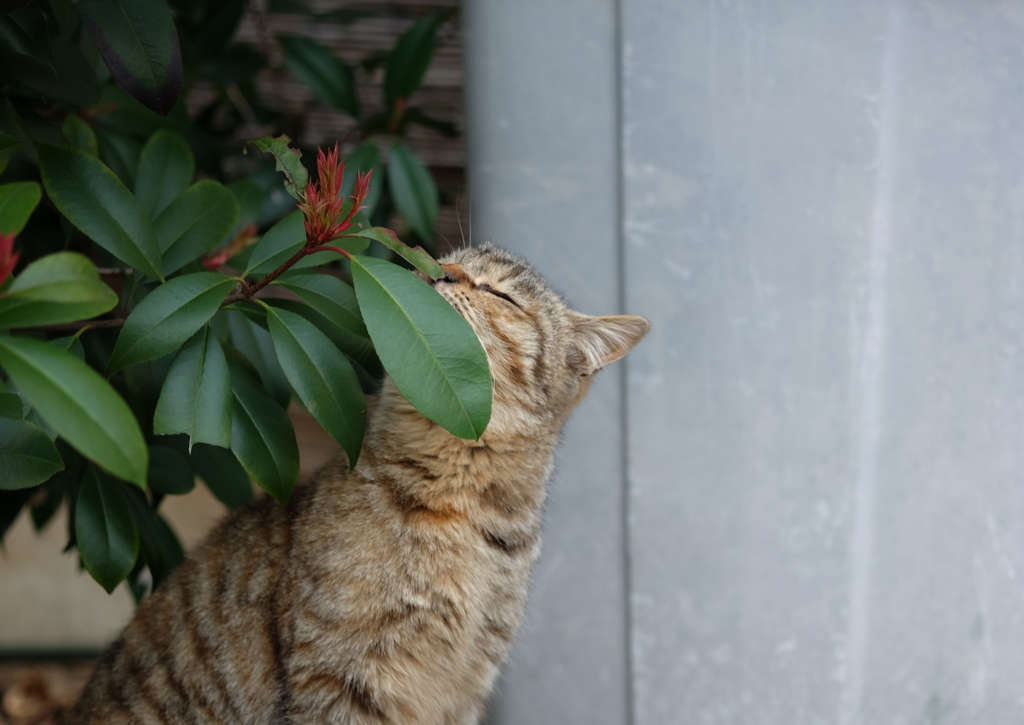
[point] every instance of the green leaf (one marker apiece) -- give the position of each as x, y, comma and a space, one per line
168, 316
11, 405
158, 544
213, 32
80, 134
288, 160
108, 539
169, 471
430, 352
33, 55
278, 245
322, 377
413, 189
365, 158
125, 115
166, 168
24, 32
93, 199
411, 57
254, 343
194, 223
61, 287
17, 202
80, 405
222, 474
45, 506
8, 148
139, 44
416, 256
196, 396
330, 79
250, 198
27, 455
262, 437
445, 128
121, 153
11, 503
329, 296
237, 64
357, 348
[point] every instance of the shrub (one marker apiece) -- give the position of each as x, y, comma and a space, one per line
138, 344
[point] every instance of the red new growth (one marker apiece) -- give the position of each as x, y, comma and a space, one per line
8, 257
323, 202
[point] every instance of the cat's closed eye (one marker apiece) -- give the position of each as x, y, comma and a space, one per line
497, 293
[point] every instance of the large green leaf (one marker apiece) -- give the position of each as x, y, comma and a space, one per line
27, 455
430, 352
251, 199
411, 58
168, 316
48, 500
126, 116
278, 245
17, 202
166, 168
262, 437
158, 544
10, 404
223, 474
108, 539
196, 396
80, 134
329, 79
33, 55
80, 405
92, 197
9, 146
329, 296
61, 287
139, 44
121, 153
287, 160
252, 340
413, 190
357, 348
24, 32
169, 471
195, 222
322, 377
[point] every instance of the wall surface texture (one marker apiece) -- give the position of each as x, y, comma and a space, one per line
800, 500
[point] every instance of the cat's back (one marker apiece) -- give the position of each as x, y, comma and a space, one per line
201, 648
365, 595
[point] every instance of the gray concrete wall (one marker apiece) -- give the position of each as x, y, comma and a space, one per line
800, 500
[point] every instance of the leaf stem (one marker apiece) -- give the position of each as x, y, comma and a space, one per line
329, 248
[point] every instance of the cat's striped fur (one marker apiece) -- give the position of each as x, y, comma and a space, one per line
389, 594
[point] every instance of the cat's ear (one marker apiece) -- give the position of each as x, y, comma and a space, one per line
599, 341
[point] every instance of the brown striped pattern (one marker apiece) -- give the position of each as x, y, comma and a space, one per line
390, 594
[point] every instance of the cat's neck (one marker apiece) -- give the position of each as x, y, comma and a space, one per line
440, 469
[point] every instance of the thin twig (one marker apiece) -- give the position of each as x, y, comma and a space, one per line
76, 326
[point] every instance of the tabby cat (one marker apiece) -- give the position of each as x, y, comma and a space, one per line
389, 594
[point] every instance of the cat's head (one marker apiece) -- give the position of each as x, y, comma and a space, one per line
542, 354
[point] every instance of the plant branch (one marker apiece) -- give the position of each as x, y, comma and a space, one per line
248, 290
75, 326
